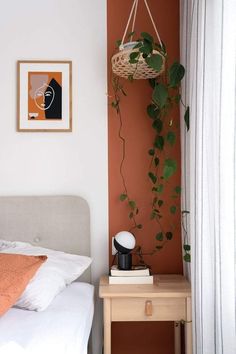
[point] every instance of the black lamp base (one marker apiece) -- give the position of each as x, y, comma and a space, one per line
124, 261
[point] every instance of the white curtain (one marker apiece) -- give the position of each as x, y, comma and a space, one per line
208, 50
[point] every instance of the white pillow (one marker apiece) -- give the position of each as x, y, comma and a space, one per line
59, 270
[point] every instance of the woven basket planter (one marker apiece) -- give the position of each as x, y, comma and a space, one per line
120, 61
123, 68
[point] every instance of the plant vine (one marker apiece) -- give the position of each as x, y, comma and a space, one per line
165, 95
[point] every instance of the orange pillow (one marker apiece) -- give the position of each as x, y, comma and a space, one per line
16, 271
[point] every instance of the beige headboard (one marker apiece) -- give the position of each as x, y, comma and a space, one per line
58, 222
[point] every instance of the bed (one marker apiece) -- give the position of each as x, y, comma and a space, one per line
61, 223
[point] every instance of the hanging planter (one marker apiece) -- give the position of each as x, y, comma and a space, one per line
142, 59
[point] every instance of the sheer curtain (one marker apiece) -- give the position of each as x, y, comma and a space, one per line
208, 50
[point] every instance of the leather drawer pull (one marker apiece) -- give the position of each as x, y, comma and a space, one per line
148, 308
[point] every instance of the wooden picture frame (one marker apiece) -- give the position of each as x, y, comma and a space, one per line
44, 96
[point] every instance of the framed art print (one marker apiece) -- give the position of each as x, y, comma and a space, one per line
44, 96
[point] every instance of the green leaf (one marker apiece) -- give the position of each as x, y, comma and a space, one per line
147, 37
155, 200
159, 247
146, 48
115, 104
133, 61
159, 236
139, 226
134, 55
176, 74
178, 189
161, 48
187, 247
118, 43
170, 167
171, 138
152, 83
131, 215
152, 177
177, 98
155, 62
131, 78
173, 209
169, 235
130, 34
160, 188
157, 125
152, 111
123, 197
160, 95
151, 152
153, 214
160, 203
186, 118
132, 204
187, 257
156, 161
159, 142
138, 45
133, 58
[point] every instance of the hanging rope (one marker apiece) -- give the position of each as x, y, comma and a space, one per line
153, 23
127, 26
134, 20
133, 13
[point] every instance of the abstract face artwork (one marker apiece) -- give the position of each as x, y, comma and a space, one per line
44, 95
44, 100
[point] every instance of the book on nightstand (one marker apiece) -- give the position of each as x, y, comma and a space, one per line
146, 279
134, 272
136, 275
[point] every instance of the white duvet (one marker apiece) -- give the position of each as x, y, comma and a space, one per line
63, 328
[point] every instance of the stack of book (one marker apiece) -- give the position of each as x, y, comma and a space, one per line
137, 275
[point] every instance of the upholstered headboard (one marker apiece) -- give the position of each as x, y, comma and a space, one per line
58, 222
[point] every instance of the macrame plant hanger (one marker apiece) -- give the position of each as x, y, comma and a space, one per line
120, 61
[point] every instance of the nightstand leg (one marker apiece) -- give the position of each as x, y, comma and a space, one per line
177, 338
188, 327
107, 326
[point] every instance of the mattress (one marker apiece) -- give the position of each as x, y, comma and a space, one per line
63, 328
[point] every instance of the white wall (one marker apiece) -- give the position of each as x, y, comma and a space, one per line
58, 163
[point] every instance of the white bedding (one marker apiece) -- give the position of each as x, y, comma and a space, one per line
63, 328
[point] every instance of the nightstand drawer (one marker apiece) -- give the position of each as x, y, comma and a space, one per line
148, 309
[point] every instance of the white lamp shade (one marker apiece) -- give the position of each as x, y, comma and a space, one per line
125, 239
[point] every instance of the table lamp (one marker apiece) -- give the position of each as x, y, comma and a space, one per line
124, 243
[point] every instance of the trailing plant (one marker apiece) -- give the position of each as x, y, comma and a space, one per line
186, 246
166, 94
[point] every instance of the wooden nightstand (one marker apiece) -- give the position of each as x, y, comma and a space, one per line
168, 299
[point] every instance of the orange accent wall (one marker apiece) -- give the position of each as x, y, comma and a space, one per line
141, 338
